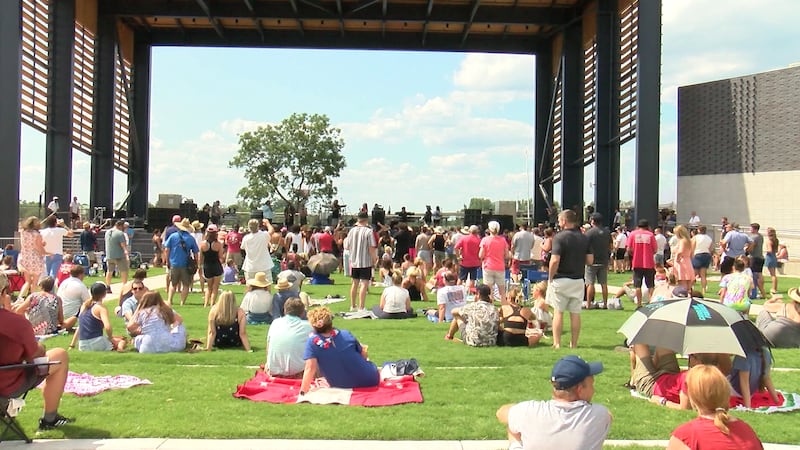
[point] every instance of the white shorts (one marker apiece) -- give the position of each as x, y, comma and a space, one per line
565, 294
492, 277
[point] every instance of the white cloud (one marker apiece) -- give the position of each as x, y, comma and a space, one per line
495, 72
238, 125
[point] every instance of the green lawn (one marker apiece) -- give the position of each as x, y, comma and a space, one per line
191, 393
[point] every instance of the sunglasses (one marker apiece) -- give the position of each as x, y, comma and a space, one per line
137, 288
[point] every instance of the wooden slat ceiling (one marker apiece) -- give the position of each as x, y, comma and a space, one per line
510, 26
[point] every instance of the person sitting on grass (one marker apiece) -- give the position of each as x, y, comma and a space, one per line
336, 355
257, 301
415, 284
734, 287
93, 321
449, 297
127, 289
567, 422
230, 273
709, 392
540, 307
42, 309
64, 268
138, 289
227, 325
659, 377
73, 292
395, 301
156, 327
476, 320
19, 345
286, 341
751, 375
780, 322
285, 291
517, 326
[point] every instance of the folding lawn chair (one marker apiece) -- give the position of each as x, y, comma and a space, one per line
9, 407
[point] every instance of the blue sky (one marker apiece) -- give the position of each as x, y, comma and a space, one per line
420, 128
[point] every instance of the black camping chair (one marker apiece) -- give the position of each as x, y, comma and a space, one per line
7, 421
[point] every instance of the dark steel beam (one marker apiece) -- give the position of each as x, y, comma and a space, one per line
296, 15
648, 87
341, 17
427, 21
372, 40
180, 24
58, 154
364, 4
468, 25
256, 20
513, 8
543, 145
488, 13
101, 185
383, 17
214, 21
572, 120
138, 171
607, 161
10, 122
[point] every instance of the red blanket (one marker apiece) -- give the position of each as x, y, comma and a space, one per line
263, 388
758, 400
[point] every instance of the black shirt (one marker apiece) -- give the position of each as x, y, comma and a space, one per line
599, 244
572, 246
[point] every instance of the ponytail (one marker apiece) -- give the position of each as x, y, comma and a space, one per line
721, 419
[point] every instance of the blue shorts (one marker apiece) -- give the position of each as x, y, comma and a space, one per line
471, 271
701, 261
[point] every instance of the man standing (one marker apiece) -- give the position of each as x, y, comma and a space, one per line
521, 248
75, 212
567, 422
694, 220
467, 251
733, 245
257, 257
53, 237
52, 207
494, 255
233, 240
117, 253
565, 284
19, 344
597, 272
177, 251
661, 244
266, 210
756, 250
642, 248
88, 241
216, 213
361, 244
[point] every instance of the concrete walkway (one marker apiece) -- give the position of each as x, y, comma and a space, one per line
294, 444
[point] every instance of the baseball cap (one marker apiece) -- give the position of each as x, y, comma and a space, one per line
98, 288
494, 225
212, 228
363, 215
176, 218
680, 291
571, 370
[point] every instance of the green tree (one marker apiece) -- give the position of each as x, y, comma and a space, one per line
294, 161
484, 204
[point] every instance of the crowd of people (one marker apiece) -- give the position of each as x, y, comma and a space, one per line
414, 264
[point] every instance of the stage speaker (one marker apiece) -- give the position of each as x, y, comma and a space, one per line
378, 215
188, 211
257, 214
472, 217
159, 218
121, 214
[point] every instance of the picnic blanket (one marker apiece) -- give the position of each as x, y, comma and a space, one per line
264, 388
83, 384
760, 402
325, 301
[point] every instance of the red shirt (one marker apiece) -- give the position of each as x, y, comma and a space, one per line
234, 241
325, 241
494, 252
63, 272
470, 246
19, 344
702, 434
670, 386
643, 247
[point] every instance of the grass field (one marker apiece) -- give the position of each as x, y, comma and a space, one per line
191, 393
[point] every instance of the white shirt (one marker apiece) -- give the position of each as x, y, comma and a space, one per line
451, 297
74, 207
621, 241
53, 206
702, 243
557, 425
53, 239
72, 292
661, 243
257, 258
694, 220
395, 299
257, 301
536, 252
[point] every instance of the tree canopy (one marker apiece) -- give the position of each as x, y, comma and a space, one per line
295, 161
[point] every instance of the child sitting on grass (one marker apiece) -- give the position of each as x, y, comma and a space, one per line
230, 272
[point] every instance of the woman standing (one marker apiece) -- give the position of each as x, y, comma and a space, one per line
701, 259
771, 258
210, 260
227, 325
684, 272
158, 248
713, 429
31, 254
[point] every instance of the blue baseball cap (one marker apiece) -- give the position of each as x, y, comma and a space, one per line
571, 370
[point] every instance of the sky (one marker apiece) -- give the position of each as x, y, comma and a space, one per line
419, 127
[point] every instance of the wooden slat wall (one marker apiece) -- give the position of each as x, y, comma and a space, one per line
628, 45
83, 89
34, 67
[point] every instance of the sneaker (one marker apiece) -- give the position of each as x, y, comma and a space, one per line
353, 309
108, 290
57, 422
